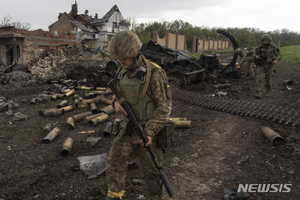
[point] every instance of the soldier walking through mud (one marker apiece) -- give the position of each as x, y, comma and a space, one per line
266, 55
151, 107
246, 55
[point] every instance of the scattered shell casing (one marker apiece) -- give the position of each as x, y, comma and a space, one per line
76, 102
91, 141
51, 135
69, 108
101, 88
80, 99
108, 91
272, 136
106, 101
98, 119
62, 104
80, 116
88, 118
47, 128
184, 124
93, 108
69, 93
89, 95
60, 96
108, 128
108, 110
70, 122
52, 112
76, 96
175, 119
98, 92
67, 147
66, 91
84, 88
63, 89
88, 132
82, 105
4, 106
53, 97
220, 86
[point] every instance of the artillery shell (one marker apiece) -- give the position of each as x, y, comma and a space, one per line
67, 147
82, 105
84, 88
106, 101
108, 128
62, 104
52, 112
63, 89
98, 93
53, 97
101, 88
66, 91
107, 92
69, 108
93, 108
88, 132
108, 110
98, 119
176, 119
272, 136
221, 86
185, 124
76, 102
51, 135
88, 118
70, 122
47, 128
91, 141
81, 116
69, 93
60, 96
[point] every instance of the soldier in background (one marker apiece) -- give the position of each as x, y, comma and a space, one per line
151, 107
246, 55
266, 55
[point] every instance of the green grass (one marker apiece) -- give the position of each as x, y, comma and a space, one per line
291, 54
197, 55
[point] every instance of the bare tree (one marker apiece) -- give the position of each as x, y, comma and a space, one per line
6, 21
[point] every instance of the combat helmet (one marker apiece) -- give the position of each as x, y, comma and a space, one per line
125, 44
266, 37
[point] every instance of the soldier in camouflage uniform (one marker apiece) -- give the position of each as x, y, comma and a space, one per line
152, 109
246, 55
266, 55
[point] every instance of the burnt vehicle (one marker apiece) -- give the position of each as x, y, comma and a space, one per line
182, 70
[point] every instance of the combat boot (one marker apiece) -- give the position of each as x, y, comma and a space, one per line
267, 93
258, 95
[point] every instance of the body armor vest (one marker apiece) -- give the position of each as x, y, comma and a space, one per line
132, 88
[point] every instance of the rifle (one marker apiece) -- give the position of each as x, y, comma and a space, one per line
142, 136
265, 65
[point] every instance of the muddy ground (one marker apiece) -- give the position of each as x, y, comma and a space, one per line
219, 152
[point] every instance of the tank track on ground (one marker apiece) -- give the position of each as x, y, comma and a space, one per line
282, 115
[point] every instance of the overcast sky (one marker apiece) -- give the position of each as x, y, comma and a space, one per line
266, 15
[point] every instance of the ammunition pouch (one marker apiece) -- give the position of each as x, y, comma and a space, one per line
154, 184
164, 137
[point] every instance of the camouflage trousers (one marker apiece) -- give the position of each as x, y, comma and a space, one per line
250, 65
124, 149
260, 73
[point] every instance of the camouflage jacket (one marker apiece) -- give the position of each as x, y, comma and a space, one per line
268, 54
157, 90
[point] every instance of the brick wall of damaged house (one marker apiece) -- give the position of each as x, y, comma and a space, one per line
20, 45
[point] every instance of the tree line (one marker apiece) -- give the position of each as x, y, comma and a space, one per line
7, 21
245, 37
